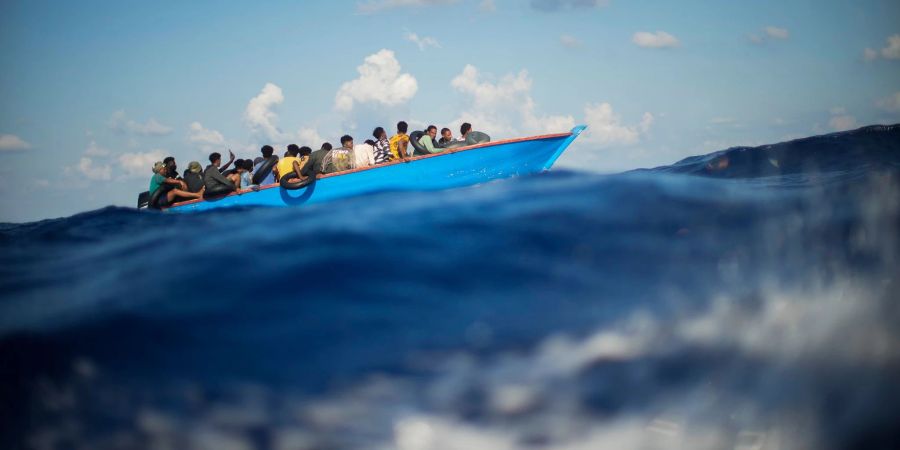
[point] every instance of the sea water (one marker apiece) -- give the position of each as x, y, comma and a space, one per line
744, 299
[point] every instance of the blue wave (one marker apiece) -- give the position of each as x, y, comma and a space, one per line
754, 302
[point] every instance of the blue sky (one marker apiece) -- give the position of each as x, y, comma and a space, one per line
94, 92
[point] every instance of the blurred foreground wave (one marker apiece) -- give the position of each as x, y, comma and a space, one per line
742, 299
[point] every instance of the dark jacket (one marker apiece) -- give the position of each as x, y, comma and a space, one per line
215, 181
314, 166
193, 180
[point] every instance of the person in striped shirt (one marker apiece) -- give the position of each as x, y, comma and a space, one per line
382, 146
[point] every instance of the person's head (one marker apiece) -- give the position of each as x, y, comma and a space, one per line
465, 129
402, 127
248, 165
267, 151
305, 151
431, 131
215, 158
379, 133
159, 167
239, 165
446, 134
370, 142
294, 149
169, 161
326, 146
194, 166
347, 141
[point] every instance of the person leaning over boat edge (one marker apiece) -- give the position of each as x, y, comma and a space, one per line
286, 164
172, 188
399, 142
215, 182
464, 130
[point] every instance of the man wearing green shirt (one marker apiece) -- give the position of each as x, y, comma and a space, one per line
427, 139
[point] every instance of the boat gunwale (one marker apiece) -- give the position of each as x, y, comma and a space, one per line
387, 164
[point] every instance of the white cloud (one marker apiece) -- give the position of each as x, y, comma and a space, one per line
259, 114
95, 150
422, 42
120, 122
892, 51
310, 137
379, 82
605, 128
487, 6
139, 164
769, 33
11, 143
890, 103
569, 41
840, 121
646, 122
660, 39
89, 170
373, 6
562, 5
776, 33
870, 55
202, 135
504, 107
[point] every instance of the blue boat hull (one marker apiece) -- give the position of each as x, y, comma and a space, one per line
453, 168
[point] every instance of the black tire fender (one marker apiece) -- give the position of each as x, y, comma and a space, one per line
264, 170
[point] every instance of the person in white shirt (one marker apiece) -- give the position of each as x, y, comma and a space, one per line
364, 154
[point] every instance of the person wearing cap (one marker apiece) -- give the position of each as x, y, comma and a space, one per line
192, 177
172, 188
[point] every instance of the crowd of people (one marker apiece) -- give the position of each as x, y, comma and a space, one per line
296, 165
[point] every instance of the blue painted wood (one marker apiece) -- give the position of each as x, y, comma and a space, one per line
457, 168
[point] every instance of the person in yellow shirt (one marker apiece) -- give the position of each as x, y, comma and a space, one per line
399, 142
293, 164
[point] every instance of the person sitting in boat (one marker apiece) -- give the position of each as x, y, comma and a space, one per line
341, 158
245, 169
290, 163
382, 150
171, 187
314, 166
400, 142
192, 177
171, 167
464, 131
215, 182
267, 155
364, 154
446, 137
427, 139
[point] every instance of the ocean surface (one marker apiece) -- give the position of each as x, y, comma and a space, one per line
746, 299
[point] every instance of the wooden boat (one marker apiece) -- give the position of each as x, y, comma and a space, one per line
451, 168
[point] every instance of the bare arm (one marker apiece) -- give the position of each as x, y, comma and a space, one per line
230, 160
